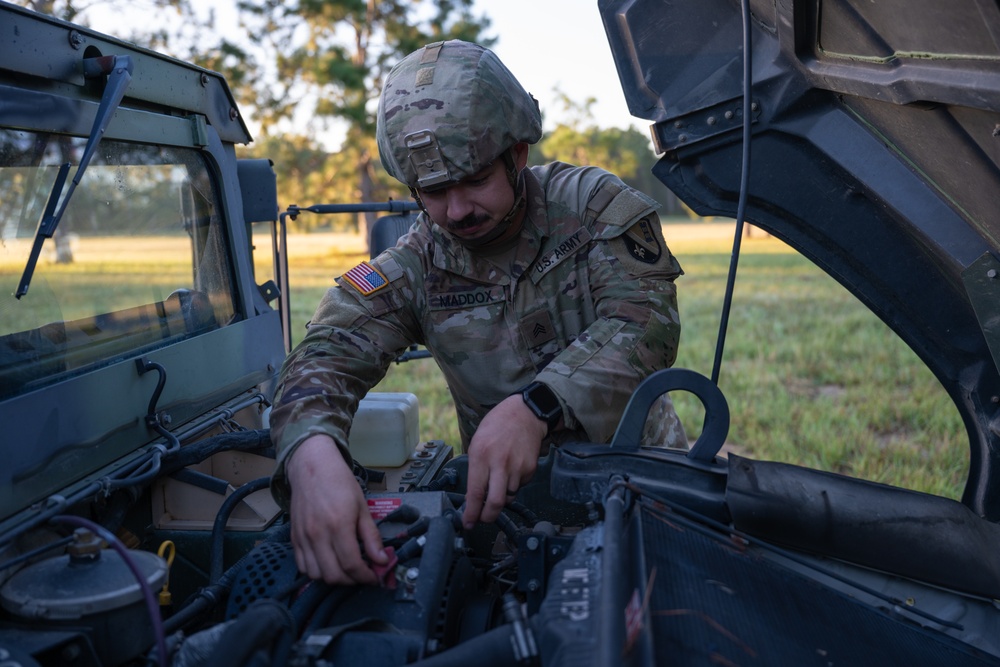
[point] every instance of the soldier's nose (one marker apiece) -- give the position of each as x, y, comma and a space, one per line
459, 204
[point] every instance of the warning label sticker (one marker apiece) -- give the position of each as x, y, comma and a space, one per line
381, 507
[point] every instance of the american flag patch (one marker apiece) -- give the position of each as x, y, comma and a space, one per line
366, 278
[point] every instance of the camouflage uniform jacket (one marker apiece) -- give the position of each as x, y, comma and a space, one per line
585, 304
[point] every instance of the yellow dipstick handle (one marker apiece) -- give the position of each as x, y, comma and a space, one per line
167, 551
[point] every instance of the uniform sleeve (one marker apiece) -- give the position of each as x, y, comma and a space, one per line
351, 341
637, 329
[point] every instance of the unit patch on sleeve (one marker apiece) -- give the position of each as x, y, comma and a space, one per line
641, 243
366, 278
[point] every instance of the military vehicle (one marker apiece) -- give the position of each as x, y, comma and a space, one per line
145, 314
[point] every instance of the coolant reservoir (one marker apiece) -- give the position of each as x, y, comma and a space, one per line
386, 429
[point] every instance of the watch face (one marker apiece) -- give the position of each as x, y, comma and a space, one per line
543, 403
543, 397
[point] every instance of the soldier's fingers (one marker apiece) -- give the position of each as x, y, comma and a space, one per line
372, 540
352, 566
496, 499
475, 493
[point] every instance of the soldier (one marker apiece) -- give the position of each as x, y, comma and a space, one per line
545, 295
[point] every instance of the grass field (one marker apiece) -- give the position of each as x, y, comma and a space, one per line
811, 376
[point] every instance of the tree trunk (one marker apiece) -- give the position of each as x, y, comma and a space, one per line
367, 186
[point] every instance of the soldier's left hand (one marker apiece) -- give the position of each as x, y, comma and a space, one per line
503, 455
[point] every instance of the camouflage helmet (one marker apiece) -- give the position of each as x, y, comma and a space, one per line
447, 111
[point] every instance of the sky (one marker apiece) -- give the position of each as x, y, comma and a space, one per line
559, 43
547, 44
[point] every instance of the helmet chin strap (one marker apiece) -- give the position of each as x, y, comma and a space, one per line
516, 180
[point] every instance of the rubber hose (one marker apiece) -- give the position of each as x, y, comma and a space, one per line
490, 649
222, 517
265, 625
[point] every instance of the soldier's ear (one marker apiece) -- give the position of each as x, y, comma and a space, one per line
520, 150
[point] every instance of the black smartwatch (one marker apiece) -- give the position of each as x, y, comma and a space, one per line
543, 402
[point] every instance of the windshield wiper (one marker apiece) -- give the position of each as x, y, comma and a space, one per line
119, 72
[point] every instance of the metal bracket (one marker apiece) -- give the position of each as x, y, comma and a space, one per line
689, 129
982, 284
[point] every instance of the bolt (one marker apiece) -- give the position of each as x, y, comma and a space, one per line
534, 585
682, 138
86, 545
532, 543
204, 79
729, 115
678, 125
994, 399
75, 39
754, 106
554, 552
165, 418
233, 113
71, 653
411, 575
711, 120
991, 274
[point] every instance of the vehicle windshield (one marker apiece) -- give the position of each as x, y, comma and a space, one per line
139, 258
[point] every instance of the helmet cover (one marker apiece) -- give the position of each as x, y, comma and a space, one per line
449, 110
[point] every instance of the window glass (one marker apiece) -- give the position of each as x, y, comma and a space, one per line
139, 258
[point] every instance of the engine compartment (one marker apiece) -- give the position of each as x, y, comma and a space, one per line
611, 555
118, 580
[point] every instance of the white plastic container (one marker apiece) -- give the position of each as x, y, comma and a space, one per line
386, 429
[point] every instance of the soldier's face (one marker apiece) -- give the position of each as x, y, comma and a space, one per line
474, 206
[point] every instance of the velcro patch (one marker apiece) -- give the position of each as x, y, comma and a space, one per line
537, 328
626, 206
366, 278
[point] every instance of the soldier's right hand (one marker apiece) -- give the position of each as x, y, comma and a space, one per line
329, 516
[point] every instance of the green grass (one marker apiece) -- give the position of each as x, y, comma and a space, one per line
811, 376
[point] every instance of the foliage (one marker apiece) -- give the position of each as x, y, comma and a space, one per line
328, 59
624, 152
157, 35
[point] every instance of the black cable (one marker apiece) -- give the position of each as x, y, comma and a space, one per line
28, 555
524, 511
727, 302
222, 517
208, 596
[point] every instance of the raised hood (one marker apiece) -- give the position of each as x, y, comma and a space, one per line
874, 152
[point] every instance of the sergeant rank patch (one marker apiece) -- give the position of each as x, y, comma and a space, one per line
366, 278
641, 243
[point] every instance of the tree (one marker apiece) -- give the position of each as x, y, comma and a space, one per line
84, 11
329, 58
578, 140
80, 12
